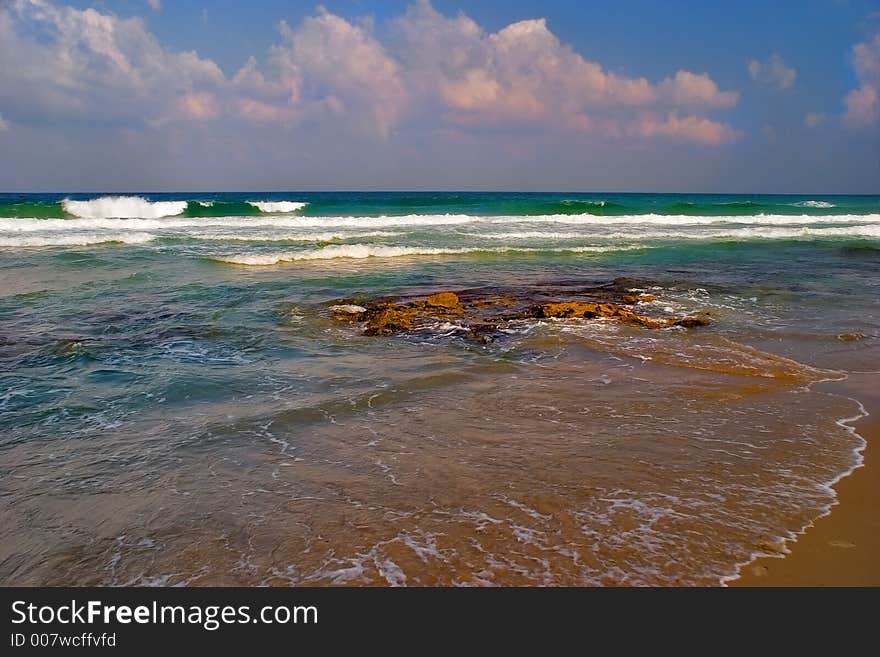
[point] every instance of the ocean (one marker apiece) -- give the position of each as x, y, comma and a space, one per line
179, 405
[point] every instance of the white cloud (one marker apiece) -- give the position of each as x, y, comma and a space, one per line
814, 119
155, 5
339, 68
696, 90
687, 128
3, 124
863, 103
93, 66
436, 71
523, 73
772, 71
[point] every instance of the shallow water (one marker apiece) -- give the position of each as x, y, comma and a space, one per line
167, 416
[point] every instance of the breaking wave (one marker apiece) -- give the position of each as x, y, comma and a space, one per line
277, 206
814, 204
123, 207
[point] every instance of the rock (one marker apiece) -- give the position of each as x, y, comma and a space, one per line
568, 309
589, 310
694, 321
389, 319
484, 332
448, 301
851, 337
348, 311
483, 312
483, 302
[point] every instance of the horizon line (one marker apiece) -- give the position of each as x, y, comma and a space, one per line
427, 191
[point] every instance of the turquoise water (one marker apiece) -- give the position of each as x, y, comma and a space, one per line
474, 203
177, 404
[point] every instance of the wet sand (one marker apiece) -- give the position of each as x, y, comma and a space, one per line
842, 548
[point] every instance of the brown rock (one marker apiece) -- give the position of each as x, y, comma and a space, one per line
491, 301
693, 321
389, 319
568, 309
447, 301
483, 314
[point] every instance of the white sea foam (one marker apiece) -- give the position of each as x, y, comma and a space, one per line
206, 204
123, 207
360, 251
277, 206
179, 223
74, 239
814, 204
642, 234
446, 231
686, 220
416, 220
356, 251
747, 233
527, 235
282, 236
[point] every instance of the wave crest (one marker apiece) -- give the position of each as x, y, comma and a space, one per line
814, 204
278, 206
122, 207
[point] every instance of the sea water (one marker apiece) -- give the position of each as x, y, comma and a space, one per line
178, 406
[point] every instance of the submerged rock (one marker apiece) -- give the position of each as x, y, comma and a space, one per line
851, 337
694, 321
482, 313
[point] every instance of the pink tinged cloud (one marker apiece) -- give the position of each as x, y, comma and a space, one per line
346, 70
688, 128
436, 70
523, 73
863, 103
696, 90
200, 106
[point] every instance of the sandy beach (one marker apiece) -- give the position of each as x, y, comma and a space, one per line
843, 547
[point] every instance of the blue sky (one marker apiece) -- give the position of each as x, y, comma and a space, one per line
630, 96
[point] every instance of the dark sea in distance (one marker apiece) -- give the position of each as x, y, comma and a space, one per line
178, 406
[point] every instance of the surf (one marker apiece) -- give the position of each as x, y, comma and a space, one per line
122, 207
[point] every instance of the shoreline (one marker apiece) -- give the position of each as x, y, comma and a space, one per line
842, 547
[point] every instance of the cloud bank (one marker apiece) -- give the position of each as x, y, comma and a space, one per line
432, 72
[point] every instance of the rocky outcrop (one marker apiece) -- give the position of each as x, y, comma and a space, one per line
445, 301
387, 318
483, 312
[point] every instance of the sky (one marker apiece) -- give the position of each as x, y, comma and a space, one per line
609, 95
